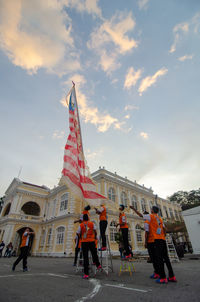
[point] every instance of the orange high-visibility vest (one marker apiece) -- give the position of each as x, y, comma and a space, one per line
150, 237
124, 226
102, 215
156, 229
25, 240
87, 231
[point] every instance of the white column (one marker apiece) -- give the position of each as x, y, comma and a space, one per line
72, 204
134, 236
14, 204
118, 194
69, 241
105, 188
18, 207
8, 234
129, 198
37, 239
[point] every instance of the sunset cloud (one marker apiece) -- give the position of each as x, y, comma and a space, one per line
111, 40
150, 80
132, 77
186, 57
178, 30
144, 135
29, 43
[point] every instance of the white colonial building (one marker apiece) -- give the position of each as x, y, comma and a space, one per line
50, 213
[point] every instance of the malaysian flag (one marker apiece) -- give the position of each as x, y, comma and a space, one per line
75, 171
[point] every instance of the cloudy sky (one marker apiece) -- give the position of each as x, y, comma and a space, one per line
137, 73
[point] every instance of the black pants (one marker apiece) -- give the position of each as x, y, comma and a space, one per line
125, 240
161, 255
152, 255
86, 247
23, 255
103, 225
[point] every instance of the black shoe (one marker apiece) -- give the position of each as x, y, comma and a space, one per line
25, 270
13, 268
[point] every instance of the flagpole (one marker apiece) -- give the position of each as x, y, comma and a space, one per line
83, 199
78, 118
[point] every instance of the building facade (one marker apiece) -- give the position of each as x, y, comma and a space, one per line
50, 213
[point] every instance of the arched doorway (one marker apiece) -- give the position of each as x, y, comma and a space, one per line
18, 239
31, 208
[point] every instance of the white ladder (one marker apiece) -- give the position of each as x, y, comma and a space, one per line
171, 249
106, 258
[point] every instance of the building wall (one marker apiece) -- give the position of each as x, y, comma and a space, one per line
192, 222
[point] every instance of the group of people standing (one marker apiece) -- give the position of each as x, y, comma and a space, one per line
87, 240
155, 240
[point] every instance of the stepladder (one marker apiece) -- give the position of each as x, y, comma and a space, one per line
127, 265
105, 258
171, 249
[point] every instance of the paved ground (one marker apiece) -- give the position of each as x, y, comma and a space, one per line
55, 280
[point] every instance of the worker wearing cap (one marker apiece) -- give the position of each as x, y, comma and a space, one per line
102, 224
87, 231
124, 230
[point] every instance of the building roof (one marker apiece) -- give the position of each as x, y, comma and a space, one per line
192, 211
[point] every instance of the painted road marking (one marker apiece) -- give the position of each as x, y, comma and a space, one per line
121, 286
55, 275
36, 274
94, 292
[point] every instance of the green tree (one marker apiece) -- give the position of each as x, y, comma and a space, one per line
186, 199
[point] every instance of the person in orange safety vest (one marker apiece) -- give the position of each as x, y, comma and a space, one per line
155, 241
24, 249
87, 232
124, 230
102, 224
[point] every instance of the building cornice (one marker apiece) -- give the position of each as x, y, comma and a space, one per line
124, 182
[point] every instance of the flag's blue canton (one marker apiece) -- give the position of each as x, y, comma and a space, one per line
71, 103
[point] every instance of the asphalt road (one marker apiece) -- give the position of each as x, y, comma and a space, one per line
55, 280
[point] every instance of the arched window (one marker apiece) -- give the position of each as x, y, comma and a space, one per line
124, 199
160, 211
60, 235
111, 194
134, 202
176, 215
143, 204
113, 231
138, 233
49, 236
150, 204
166, 212
64, 201
171, 213
31, 208
7, 210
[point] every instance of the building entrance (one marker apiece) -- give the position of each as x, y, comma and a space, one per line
18, 239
